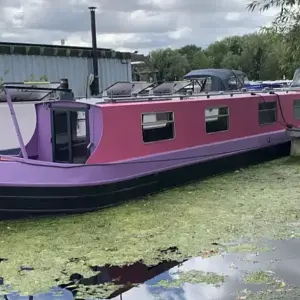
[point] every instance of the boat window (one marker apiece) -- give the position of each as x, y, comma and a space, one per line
297, 109
81, 124
267, 113
216, 119
240, 82
246, 80
158, 126
80, 138
208, 85
70, 135
233, 83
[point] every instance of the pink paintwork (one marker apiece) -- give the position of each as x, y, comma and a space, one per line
122, 140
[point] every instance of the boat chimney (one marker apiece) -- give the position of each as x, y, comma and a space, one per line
65, 95
95, 85
64, 83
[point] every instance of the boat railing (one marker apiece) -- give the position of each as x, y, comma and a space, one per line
36, 91
191, 95
7, 97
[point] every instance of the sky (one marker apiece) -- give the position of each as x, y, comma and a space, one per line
128, 25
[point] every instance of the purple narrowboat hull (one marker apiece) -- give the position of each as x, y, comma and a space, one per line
29, 187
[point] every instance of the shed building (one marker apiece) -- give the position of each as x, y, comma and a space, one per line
21, 62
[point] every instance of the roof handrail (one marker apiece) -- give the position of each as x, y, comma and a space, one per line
191, 95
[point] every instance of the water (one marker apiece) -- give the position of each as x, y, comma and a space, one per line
223, 277
64, 251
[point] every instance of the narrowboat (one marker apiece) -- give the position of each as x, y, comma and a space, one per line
205, 80
85, 155
197, 81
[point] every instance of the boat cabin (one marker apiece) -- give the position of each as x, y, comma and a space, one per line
62, 132
66, 132
77, 132
81, 131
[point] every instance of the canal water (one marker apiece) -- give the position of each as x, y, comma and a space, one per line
181, 244
270, 271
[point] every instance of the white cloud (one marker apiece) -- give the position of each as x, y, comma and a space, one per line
181, 33
233, 16
128, 25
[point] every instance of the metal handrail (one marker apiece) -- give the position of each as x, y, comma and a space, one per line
192, 96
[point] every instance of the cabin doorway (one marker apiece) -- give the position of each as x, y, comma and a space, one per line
70, 135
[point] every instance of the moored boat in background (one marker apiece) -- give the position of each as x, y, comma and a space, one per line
276, 84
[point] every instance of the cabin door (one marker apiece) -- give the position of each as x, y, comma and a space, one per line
70, 135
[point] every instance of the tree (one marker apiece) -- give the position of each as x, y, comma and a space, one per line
170, 64
286, 25
189, 51
230, 61
289, 9
268, 54
200, 61
215, 53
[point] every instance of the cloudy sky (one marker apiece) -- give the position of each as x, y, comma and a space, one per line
128, 24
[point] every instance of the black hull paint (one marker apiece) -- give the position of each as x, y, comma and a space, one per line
27, 202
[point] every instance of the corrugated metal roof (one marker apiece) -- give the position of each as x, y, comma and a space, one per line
59, 50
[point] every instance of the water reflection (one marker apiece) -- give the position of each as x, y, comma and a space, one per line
282, 262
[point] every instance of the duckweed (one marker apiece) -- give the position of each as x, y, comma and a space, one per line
259, 201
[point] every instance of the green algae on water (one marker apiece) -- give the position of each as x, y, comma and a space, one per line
101, 291
193, 277
247, 248
278, 294
260, 277
259, 201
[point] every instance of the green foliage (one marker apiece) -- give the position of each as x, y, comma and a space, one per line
44, 78
170, 64
261, 55
33, 78
283, 35
288, 10
271, 53
5, 72
30, 78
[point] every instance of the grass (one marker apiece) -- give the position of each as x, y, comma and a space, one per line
258, 201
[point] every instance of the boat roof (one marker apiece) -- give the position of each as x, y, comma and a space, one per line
221, 73
177, 99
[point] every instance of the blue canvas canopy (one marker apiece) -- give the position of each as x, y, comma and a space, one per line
221, 79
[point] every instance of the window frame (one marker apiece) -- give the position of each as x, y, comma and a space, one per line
263, 110
296, 107
223, 115
158, 122
80, 120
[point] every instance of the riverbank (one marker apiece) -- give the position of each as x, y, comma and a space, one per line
261, 201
